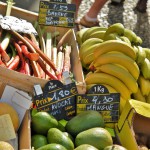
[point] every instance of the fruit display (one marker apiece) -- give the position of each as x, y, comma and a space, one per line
90, 134
114, 56
5, 146
8, 109
115, 147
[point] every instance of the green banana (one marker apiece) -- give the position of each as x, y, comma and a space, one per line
148, 98
115, 45
120, 73
147, 52
115, 28
98, 34
138, 96
118, 58
130, 35
91, 31
111, 36
144, 85
145, 68
79, 35
135, 50
138, 41
141, 55
125, 39
104, 78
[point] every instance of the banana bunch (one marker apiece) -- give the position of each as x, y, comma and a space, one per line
114, 57
88, 39
143, 60
87, 33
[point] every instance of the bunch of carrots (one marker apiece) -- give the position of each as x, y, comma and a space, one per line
40, 58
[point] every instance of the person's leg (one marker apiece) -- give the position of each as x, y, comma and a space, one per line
95, 8
77, 3
90, 18
141, 6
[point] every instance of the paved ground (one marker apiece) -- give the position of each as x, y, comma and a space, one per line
124, 13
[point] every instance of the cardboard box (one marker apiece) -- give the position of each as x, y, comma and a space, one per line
135, 119
25, 82
24, 136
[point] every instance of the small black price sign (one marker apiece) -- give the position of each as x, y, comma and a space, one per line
58, 100
99, 99
56, 13
58, 1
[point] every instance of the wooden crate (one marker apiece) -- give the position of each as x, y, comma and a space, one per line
25, 82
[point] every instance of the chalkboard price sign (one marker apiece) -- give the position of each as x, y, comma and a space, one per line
60, 1
99, 99
58, 100
56, 13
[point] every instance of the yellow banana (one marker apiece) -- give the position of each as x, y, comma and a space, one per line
130, 35
144, 85
118, 58
122, 104
89, 55
115, 28
141, 55
145, 68
110, 89
92, 30
138, 96
88, 45
120, 73
89, 73
88, 86
98, 34
115, 45
88, 59
79, 35
103, 78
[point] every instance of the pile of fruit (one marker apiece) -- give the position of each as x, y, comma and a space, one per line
115, 58
7, 109
84, 131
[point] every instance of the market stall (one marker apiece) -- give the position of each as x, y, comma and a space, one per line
66, 89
